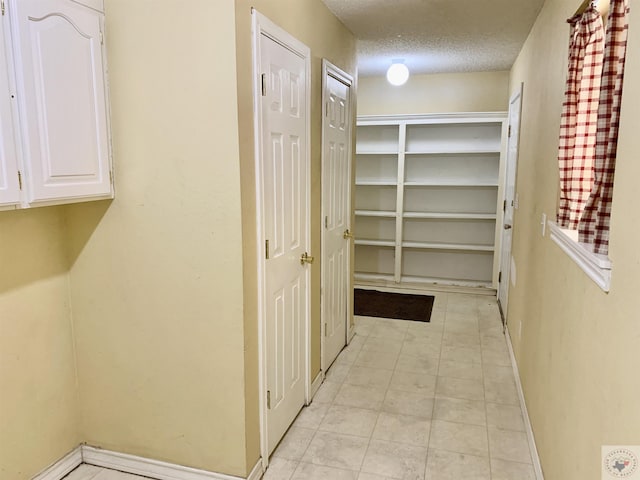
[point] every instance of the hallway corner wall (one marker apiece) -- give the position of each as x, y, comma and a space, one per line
38, 392
156, 275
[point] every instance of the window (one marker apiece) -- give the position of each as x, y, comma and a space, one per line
589, 137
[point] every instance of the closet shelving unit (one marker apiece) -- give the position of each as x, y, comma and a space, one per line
428, 198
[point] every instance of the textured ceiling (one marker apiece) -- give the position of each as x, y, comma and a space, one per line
437, 36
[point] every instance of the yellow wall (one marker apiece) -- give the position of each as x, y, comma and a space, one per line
38, 395
439, 93
578, 349
311, 23
156, 277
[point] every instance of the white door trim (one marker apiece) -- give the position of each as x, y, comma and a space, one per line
329, 68
510, 172
261, 25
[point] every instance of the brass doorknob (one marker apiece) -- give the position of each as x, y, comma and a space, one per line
305, 258
347, 234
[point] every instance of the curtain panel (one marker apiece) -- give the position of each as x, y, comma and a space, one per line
578, 126
595, 221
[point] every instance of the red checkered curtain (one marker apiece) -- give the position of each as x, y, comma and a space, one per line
594, 224
576, 151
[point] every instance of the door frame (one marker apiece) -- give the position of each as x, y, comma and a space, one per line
261, 25
511, 171
329, 69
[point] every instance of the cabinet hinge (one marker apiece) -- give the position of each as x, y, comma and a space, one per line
504, 206
266, 249
111, 177
263, 79
326, 222
20, 179
269, 399
499, 277
325, 329
2, 7
101, 38
327, 110
509, 133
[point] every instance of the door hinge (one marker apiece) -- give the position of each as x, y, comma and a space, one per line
20, 179
499, 277
266, 249
263, 79
509, 134
269, 399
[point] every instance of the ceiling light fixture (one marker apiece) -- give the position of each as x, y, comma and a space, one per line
398, 73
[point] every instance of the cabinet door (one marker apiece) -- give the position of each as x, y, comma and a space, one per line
63, 101
9, 185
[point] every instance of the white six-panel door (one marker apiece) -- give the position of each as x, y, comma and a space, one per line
336, 178
285, 210
63, 107
515, 107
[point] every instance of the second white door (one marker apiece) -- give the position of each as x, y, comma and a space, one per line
336, 180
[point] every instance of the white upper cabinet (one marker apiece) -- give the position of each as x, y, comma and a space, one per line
9, 184
60, 72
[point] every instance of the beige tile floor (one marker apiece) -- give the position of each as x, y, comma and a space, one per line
412, 401
89, 472
408, 401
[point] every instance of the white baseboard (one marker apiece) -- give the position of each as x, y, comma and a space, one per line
257, 472
155, 468
535, 458
351, 333
315, 385
62, 467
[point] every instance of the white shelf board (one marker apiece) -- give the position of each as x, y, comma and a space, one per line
449, 246
366, 183
470, 151
450, 183
375, 243
372, 277
450, 216
377, 153
434, 118
446, 281
376, 213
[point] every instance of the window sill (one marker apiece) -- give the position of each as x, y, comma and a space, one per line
597, 267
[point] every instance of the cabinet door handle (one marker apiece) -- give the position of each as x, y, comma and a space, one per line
507, 226
347, 234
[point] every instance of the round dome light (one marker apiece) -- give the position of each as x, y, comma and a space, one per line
398, 74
